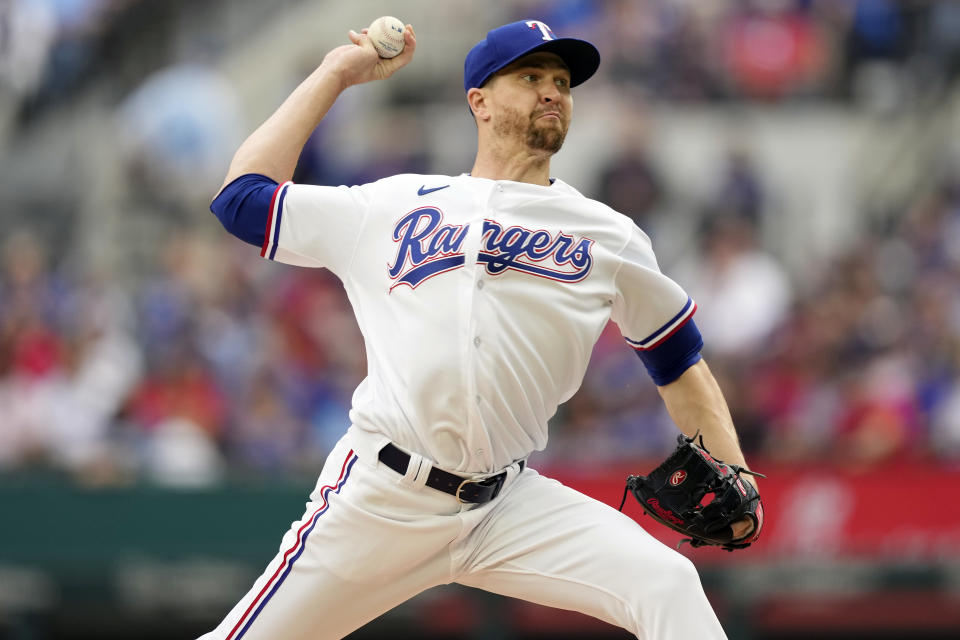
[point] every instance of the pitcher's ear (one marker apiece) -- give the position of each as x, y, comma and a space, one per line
477, 99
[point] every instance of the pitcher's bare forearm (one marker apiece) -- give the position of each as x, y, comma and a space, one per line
695, 402
274, 148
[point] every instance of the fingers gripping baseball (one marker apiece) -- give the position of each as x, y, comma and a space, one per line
359, 62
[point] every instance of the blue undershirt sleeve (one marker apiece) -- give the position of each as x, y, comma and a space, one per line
666, 361
243, 207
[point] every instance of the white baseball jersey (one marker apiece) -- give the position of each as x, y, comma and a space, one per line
479, 302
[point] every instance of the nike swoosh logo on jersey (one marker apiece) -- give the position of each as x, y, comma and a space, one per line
422, 191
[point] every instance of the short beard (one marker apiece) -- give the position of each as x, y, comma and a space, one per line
536, 137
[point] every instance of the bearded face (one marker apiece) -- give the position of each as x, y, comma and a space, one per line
539, 132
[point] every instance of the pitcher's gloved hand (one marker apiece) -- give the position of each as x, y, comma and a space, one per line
699, 496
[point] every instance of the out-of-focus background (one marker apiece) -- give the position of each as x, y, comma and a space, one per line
167, 397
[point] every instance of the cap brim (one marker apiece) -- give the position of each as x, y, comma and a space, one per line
581, 57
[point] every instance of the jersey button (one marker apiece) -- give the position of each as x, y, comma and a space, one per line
477, 341
480, 284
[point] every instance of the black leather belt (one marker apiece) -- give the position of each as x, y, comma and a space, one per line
464, 489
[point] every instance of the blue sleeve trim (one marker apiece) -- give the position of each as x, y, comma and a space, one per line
674, 355
243, 207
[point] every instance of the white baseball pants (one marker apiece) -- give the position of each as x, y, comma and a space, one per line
371, 539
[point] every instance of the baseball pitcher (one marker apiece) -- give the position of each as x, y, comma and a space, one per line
480, 297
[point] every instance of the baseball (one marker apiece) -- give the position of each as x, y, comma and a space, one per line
386, 34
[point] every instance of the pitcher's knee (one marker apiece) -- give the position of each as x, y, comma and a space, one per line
670, 584
668, 601
677, 577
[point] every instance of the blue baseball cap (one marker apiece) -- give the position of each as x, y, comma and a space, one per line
512, 41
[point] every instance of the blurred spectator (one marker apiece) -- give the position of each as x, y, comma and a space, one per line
179, 454
740, 193
877, 31
102, 366
943, 25
27, 32
266, 436
32, 350
630, 184
180, 128
180, 386
742, 292
945, 437
774, 50
879, 419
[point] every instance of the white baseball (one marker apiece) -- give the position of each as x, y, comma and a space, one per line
386, 34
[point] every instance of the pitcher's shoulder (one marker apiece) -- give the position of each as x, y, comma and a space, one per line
595, 207
415, 180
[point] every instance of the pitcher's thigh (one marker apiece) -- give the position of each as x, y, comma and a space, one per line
342, 564
549, 544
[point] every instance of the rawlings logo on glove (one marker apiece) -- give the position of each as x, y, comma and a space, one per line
665, 514
699, 496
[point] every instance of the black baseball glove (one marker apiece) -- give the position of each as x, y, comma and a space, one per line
699, 496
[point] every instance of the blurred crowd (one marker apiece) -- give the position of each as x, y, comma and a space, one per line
217, 361
222, 362
214, 362
677, 50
